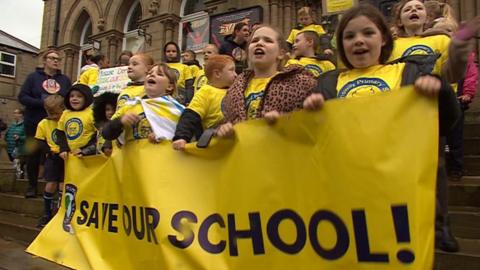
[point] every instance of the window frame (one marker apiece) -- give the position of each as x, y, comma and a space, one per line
9, 64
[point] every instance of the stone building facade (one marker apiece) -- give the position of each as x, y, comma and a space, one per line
115, 25
111, 26
17, 60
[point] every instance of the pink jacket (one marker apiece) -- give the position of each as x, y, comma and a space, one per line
471, 76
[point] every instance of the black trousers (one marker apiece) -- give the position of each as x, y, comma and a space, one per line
33, 157
454, 158
441, 215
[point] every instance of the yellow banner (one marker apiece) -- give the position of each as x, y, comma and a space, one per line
348, 187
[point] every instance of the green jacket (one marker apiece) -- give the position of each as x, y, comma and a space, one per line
16, 129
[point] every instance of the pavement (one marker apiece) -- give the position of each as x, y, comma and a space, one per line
14, 257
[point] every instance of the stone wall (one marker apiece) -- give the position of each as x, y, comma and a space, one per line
10, 87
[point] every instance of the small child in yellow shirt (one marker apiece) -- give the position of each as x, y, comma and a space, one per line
306, 43
204, 111
47, 141
76, 130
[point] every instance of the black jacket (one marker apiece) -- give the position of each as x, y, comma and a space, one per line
34, 91
189, 126
229, 45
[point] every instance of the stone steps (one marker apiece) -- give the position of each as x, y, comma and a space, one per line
472, 117
18, 204
472, 165
468, 258
19, 227
19, 186
471, 130
465, 193
465, 222
471, 146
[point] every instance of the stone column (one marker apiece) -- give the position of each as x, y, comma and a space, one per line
169, 27
273, 12
158, 41
468, 8
287, 18
112, 50
456, 9
69, 62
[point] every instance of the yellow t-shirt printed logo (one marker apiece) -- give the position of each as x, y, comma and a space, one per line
73, 128
314, 69
254, 95
54, 136
201, 81
418, 50
142, 128
363, 87
121, 100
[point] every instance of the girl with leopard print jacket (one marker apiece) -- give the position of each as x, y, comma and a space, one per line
265, 91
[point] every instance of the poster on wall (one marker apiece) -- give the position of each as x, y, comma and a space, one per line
222, 25
330, 7
195, 34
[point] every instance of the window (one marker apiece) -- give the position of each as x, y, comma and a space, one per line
135, 16
132, 41
193, 6
85, 45
7, 64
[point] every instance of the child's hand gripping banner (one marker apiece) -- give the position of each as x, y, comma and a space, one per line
349, 187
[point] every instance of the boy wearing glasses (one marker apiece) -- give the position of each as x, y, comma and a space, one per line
45, 81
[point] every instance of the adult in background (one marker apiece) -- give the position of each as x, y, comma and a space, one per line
45, 81
124, 58
235, 45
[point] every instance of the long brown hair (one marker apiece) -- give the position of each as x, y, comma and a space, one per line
375, 16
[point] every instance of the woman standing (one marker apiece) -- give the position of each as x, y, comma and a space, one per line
39, 84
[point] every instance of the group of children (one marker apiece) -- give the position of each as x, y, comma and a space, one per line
165, 102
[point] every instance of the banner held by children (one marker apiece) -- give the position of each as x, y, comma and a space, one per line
349, 187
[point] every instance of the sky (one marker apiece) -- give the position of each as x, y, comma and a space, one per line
23, 19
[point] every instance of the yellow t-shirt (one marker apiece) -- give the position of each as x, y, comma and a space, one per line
254, 95
200, 80
312, 27
315, 66
194, 69
89, 76
129, 93
139, 130
207, 102
369, 81
46, 131
183, 73
79, 127
438, 44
